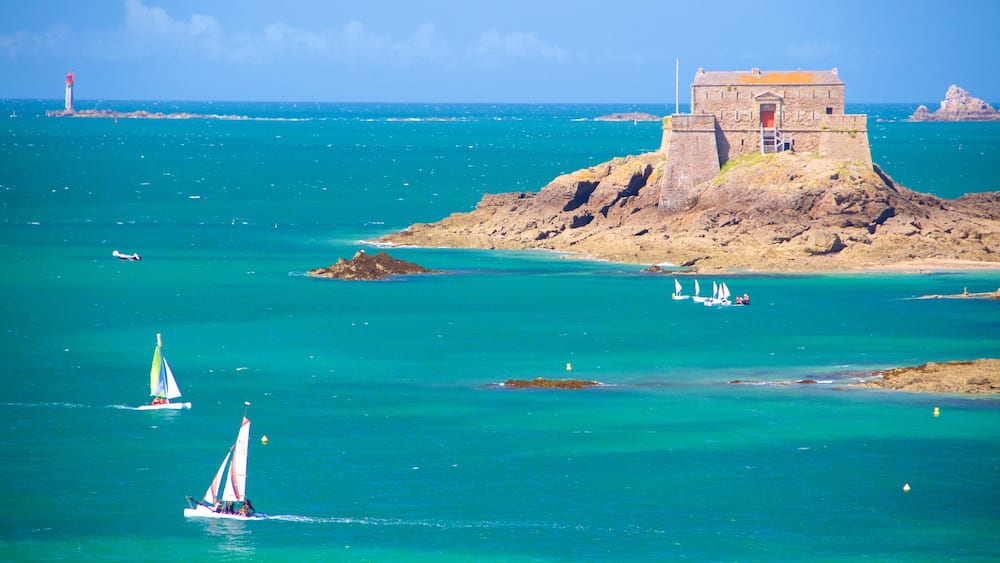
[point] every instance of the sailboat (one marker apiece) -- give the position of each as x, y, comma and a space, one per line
162, 386
697, 289
720, 295
677, 291
231, 501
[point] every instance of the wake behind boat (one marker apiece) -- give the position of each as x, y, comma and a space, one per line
231, 503
162, 385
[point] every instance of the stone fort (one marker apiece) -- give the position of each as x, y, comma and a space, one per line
739, 112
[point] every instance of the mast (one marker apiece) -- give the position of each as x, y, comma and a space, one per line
154, 369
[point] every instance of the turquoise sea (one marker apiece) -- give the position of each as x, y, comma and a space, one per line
387, 440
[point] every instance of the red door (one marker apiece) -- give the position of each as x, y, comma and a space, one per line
767, 118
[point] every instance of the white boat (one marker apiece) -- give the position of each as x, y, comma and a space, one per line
697, 289
720, 295
134, 257
677, 291
226, 497
709, 301
162, 385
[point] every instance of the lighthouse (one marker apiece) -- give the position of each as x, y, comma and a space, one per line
69, 92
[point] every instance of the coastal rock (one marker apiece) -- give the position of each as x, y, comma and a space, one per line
958, 105
543, 383
776, 212
364, 266
975, 377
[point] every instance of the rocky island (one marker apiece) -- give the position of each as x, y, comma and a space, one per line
542, 383
729, 190
958, 105
783, 212
364, 266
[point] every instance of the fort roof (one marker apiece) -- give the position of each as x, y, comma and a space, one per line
767, 77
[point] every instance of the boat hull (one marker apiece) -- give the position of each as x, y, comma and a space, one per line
162, 406
205, 512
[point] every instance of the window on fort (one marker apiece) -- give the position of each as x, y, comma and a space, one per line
829, 111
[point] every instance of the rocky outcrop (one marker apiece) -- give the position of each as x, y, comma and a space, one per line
979, 376
958, 105
543, 383
364, 266
783, 212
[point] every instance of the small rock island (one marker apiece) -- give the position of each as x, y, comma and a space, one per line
542, 383
958, 105
364, 266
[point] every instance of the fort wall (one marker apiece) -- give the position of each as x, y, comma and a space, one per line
692, 157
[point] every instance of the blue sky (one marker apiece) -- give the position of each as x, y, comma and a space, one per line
503, 51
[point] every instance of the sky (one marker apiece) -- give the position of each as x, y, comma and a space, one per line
504, 51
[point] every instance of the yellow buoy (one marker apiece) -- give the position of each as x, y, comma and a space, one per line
569, 366
937, 411
263, 439
906, 487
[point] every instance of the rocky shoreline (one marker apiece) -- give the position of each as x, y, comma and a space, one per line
773, 213
980, 376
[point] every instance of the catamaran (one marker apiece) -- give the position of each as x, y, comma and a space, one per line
677, 291
162, 386
720, 295
231, 501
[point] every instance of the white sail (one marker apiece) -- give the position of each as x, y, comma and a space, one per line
170, 384
236, 478
724, 291
697, 288
715, 290
677, 287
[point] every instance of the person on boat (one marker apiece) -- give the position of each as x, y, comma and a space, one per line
218, 506
746, 299
247, 508
159, 401
739, 300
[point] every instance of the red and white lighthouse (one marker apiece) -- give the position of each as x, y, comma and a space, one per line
69, 92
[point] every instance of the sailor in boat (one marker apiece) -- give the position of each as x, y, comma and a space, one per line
160, 401
746, 299
247, 508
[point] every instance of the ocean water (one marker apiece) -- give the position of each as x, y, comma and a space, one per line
387, 438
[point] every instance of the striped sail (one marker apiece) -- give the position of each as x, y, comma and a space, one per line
161, 378
212, 494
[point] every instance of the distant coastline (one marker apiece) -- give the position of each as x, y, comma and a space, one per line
143, 114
